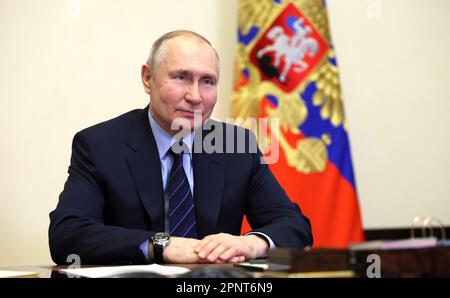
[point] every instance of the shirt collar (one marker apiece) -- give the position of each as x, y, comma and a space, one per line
164, 140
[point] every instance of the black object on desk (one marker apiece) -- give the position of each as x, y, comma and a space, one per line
215, 272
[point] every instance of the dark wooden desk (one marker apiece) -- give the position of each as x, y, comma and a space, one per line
426, 262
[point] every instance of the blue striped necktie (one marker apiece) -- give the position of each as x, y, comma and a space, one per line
181, 203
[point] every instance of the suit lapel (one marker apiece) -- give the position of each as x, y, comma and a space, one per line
209, 175
145, 166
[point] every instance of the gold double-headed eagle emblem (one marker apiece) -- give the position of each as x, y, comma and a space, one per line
308, 154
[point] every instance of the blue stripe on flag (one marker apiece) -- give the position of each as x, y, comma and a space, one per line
315, 126
249, 36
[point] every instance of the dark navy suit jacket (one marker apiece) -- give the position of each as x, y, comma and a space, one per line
113, 199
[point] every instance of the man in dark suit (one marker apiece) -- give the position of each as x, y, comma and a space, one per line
131, 197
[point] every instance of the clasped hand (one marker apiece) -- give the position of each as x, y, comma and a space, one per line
217, 248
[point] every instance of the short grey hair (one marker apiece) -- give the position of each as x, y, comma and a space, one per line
157, 50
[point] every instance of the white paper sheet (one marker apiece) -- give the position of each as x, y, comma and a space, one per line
96, 272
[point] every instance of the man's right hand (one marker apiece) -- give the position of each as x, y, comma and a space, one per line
181, 250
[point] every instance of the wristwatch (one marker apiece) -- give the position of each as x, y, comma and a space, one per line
159, 241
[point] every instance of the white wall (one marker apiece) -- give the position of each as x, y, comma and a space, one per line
395, 73
62, 71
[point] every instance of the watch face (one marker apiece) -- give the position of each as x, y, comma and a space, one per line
161, 239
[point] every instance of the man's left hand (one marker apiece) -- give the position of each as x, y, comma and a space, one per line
226, 248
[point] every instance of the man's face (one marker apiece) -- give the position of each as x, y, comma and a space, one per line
184, 81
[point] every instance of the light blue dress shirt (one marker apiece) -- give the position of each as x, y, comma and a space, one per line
164, 141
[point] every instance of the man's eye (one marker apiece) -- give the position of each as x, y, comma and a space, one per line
208, 81
180, 77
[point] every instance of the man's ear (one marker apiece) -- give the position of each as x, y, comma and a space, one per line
145, 76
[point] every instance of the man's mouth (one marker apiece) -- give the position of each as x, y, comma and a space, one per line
189, 114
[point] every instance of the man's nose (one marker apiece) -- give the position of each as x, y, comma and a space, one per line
193, 94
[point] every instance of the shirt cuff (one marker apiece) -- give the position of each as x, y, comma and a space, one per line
144, 248
271, 243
